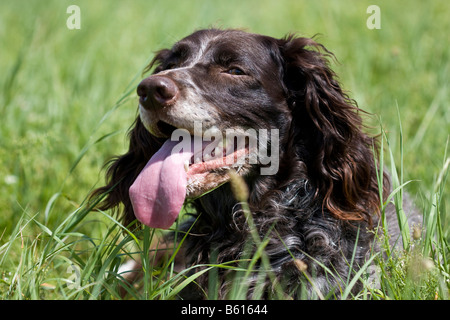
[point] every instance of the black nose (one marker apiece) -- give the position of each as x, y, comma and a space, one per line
157, 91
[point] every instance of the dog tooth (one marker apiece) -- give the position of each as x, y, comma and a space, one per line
186, 166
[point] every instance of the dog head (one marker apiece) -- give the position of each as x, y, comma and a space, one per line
267, 92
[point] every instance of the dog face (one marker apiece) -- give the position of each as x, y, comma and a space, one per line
223, 79
213, 83
275, 96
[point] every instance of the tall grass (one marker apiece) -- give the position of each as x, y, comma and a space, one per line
67, 100
421, 269
66, 262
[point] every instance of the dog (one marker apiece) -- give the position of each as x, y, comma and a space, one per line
309, 168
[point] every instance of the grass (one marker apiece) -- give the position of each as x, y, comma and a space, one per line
67, 101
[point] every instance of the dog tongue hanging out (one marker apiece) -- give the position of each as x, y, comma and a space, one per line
159, 191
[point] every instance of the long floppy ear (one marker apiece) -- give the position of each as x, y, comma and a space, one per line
123, 170
339, 154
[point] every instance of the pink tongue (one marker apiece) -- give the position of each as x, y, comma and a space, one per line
158, 193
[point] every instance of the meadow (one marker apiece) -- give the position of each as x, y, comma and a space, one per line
67, 99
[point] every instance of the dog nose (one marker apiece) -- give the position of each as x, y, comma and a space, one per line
157, 91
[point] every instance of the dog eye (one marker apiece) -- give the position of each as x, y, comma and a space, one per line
235, 72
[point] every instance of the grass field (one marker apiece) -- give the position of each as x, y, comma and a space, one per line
67, 99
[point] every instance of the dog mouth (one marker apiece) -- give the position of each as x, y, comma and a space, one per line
214, 155
186, 166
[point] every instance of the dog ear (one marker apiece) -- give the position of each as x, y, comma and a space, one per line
123, 171
328, 125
